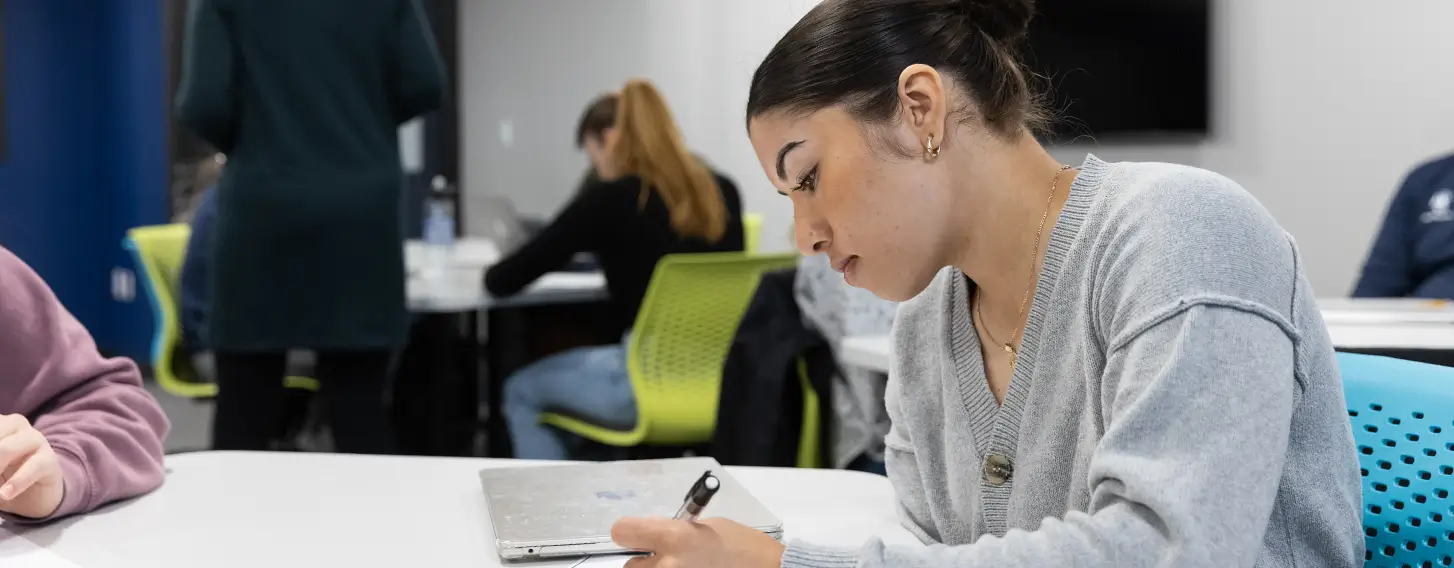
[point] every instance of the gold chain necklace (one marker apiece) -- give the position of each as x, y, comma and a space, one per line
1009, 346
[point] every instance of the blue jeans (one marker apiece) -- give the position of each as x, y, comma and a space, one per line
589, 383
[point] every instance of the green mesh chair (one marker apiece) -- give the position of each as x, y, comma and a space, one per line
810, 440
678, 345
159, 251
751, 231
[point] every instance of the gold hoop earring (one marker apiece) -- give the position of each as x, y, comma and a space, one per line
930, 150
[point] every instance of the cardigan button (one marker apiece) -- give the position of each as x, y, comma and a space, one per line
998, 469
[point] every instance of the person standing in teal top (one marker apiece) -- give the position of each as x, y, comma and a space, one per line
305, 99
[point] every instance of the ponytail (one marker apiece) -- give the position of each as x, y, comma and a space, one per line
650, 146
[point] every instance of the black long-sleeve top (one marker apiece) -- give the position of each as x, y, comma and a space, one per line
628, 239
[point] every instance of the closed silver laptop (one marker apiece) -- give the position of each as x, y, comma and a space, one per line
568, 510
494, 217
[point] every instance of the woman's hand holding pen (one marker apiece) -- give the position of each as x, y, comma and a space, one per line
683, 542
709, 543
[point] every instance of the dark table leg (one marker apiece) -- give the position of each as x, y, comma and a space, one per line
412, 389
431, 416
467, 398
507, 333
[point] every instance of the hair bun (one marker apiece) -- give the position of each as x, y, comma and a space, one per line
1006, 21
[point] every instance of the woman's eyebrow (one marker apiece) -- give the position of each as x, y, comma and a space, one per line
782, 171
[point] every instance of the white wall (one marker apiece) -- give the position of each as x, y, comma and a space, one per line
1322, 105
530, 67
536, 63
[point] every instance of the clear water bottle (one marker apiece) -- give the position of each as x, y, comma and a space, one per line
438, 229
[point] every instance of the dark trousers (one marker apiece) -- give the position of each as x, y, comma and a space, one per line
252, 404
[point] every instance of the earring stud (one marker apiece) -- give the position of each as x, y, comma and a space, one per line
930, 150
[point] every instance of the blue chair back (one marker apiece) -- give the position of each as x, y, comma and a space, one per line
1403, 422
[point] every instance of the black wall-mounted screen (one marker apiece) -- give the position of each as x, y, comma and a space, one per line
1125, 68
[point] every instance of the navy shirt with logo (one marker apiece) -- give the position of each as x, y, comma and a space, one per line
1414, 253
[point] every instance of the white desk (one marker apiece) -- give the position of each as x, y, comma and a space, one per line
286, 510
1386, 310
468, 252
1352, 324
872, 352
461, 287
1389, 323
1427, 336
463, 290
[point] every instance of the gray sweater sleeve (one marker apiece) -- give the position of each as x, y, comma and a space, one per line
899, 450
1198, 404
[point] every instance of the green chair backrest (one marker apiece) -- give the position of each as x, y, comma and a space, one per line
810, 437
751, 231
159, 251
681, 338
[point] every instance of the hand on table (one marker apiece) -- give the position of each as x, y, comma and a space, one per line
31, 484
710, 543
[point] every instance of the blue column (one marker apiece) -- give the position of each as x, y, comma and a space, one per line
85, 108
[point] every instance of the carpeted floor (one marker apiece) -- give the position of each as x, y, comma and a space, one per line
191, 421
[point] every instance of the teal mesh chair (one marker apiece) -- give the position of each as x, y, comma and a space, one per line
1403, 422
678, 346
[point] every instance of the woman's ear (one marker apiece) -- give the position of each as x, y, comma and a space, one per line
924, 102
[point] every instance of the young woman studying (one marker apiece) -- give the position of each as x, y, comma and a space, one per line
654, 199
1098, 365
77, 430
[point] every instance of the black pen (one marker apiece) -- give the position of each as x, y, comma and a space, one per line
698, 496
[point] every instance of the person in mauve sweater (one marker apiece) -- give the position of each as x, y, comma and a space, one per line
77, 430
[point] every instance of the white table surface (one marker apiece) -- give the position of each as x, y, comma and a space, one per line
286, 510
463, 290
461, 287
1386, 311
872, 352
1352, 324
467, 252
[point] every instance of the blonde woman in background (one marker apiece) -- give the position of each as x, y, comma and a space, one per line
653, 198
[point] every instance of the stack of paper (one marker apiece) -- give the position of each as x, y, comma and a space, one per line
17, 552
603, 561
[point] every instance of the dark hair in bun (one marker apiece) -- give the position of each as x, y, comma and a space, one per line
851, 52
1004, 20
